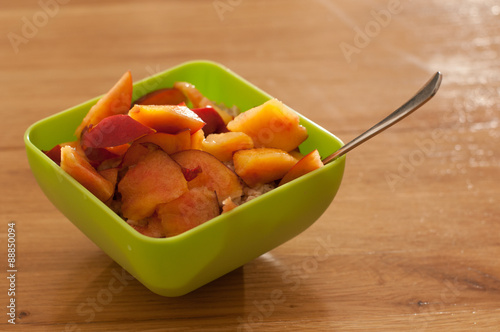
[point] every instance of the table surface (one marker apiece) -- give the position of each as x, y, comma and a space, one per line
412, 238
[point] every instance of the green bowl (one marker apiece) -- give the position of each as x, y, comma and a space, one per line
180, 264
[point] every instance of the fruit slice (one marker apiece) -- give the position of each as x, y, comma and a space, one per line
168, 96
213, 120
214, 174
193, 208
113, 131
197, 139
223, 145
271, 125
96, 156
134, 154
81, 170
199, 100
228, 205
54, 154
170, 143
150, 226
110, 174
169, 119
262, 165
115, 101
154, 180
307, 164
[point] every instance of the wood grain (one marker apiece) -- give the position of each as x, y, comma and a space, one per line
412, 240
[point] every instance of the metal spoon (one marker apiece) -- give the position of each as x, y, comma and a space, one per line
423, 95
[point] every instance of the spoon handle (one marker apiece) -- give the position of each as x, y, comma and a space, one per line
420, 98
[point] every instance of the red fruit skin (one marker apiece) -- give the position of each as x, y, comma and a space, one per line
113, 131
214, 122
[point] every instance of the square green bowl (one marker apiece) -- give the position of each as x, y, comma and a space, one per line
180, 264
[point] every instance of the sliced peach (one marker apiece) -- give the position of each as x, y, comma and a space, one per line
228, 204
134, 154
169, 119
119, 150
213, 120
81, 170
262, 165
110, 174
197, 139
154, 180
199, 100
54, 154
168, 96
214, 174
193, 208
223, 145
307, 164
170, 143
115, 101
150, 226
296, 154
271, 125
113, 131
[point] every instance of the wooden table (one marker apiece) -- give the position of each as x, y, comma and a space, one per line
411, 241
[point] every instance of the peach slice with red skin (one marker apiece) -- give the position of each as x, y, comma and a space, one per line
199, 100
214, 174
213, 120
308, 163
169, 119
193, 208
116, 101
167, 96
82, 171
154, 180
262, 165
114, 130
270, 125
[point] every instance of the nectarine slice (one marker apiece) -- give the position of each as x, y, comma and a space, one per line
262, 165
197, 139
167, 96
115, 101
199, 100
81, 170
193, 208
213, 120
271, 125
307, 164
113, 131
169, 119
150, 226
223, 145
228, 204
214, 174
154, 180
